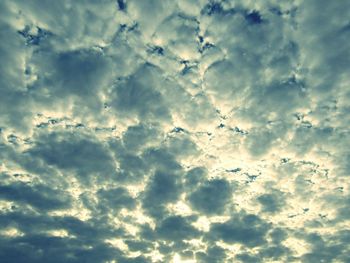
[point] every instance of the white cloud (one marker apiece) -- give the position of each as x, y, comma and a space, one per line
174, 131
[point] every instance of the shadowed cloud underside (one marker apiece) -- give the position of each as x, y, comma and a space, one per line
174, 131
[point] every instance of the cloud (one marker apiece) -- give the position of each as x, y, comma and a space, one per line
76, 153
213, 254
140, 136
272, 202
115, 199
164, 131
38, 196
176, 228
248, 230
211, 197
139, 95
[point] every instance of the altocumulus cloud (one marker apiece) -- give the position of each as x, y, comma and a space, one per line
174, 131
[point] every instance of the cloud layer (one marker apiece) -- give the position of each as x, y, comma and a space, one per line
174, 131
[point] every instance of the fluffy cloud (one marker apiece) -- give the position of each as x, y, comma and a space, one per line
174, 131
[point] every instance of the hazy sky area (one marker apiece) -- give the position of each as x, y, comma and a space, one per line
175, 131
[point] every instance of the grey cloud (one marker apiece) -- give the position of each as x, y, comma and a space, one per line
99, 97
38, 248
194, 176
15, 105
139, 259
38, 196
311, 20
248, 230
213, 254
134, 152
163, 188
79, 72
161, 159
136, 245
74, 152
137, 137
278, 235
77, 79
132, 167
272, 202
275, 252
176, 228
149, 13
115, 199
181, 146
222, 84
88, 232
247, 258
139, 95
211, 197
280, 97
70, 29
179, 34
326, 248
259, 141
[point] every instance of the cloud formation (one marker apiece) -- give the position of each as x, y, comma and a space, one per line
174, 131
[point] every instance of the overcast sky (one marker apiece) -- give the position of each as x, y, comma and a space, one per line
206, 131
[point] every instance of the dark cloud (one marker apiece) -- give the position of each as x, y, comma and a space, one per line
115, 199
164, 187
254, 18
136, 245
69, 151
194, 176
278, 235
181, 146
161, 159
132, 167
137, 137
248, 230
213, 254
40, 197
327, 248
274, 252
211, 197
131, 130
176, 228
79, 72
247, 258
273, 202
15, 104
139, 95
38, 248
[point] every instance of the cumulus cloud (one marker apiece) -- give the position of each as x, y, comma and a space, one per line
211, 197
174, 131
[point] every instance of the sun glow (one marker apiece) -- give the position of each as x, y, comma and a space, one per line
178, 259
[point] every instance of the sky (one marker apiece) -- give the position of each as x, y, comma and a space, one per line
136, 131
